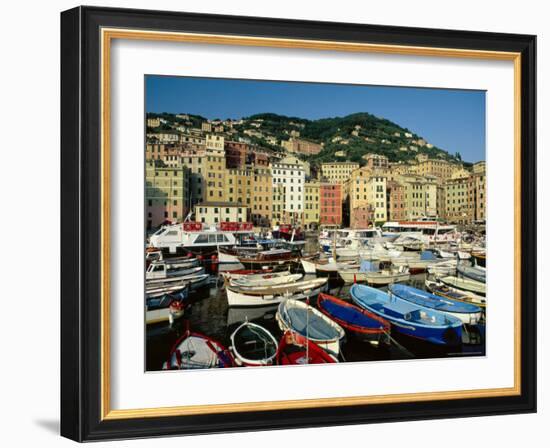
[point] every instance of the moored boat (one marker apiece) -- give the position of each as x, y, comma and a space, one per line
252, 273
159, 271
310, 323
266, 295
166, 307
371, 274
198, 351
408, 318
468, 313
472, 272
253, 345
360, 321
464, 284
292, 352
455, 294
271, 257
265, 280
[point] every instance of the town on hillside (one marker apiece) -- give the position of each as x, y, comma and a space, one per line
270, 171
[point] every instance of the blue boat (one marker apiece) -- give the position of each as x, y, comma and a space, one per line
408, 318
468, 313
472, 272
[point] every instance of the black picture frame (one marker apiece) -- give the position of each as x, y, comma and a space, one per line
81, 224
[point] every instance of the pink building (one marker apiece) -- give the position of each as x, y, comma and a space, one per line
330, 204
362, 217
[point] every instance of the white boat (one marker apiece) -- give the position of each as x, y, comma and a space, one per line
160, 271
198, 237
254, 274
253, 345
370, 274
165, 307
443, 268
262, 295
195, 281
309, 323
265, 280
450, 292
464, 284
197, 351
325, 266
429, 230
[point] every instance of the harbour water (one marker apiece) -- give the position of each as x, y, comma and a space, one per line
209, 314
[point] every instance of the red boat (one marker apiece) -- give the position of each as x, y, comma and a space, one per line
368, 325
198, 351
292, 351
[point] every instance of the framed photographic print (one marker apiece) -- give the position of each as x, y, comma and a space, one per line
349, 209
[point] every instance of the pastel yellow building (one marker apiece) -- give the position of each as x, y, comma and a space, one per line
214, 176
166, 193
366, 187
457, 204
338, 172
311, 205
215, 212
440, 168
262, 196
278, 204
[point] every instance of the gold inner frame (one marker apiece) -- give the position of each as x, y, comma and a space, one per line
107, 35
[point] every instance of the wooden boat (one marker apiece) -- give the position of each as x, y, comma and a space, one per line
197, 351
266, 280
371, 274
310, 323
472, 272
158, 272
480, 257
266, 295
291, 352
449, 292
360, 321
464, 284
468, 313
271, 257
444, 267
408, 318
237, 273
253, 345
166, 307
157, 289
326, 266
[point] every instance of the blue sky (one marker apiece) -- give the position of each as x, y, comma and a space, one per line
453, 120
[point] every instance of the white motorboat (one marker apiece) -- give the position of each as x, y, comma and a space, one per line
369, 273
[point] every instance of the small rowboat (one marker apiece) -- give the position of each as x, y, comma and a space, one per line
408, 318
468, 313
166, 307
197, 351
472, 272
465, 284
266, 295
328, 266
174, 276
265, 280
310, 323
455, 294
252, 273
292, 352
360, 321
253, 345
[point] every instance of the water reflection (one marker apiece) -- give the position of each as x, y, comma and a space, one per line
209, 314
